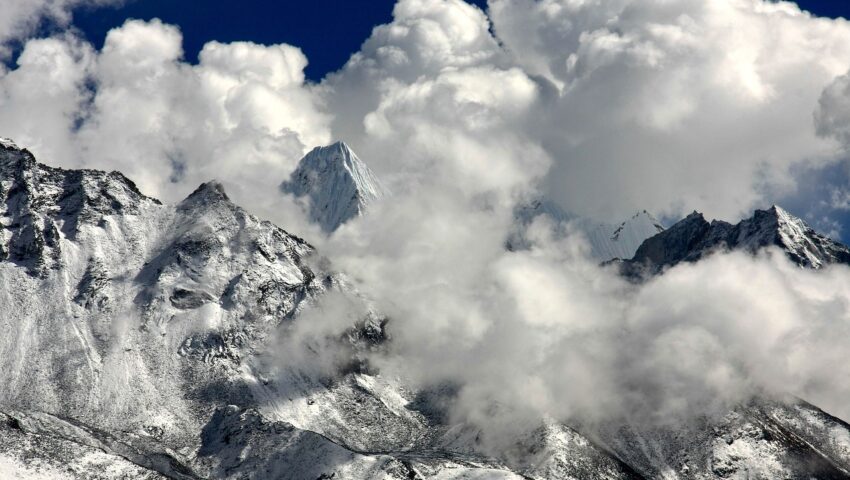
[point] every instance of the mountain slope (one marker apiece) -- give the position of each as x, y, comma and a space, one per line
334, 184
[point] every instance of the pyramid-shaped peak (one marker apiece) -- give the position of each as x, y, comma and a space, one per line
335, 155
695, 215
336, 147
782, 214
772, 211
645, 216
207, 193
334, 185
341, 146
694, 220
777, 217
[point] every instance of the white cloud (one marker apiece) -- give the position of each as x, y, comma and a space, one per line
244, 114
832, 116
669, 106
21, 17
427, 36
674, 106
43, 98
431, 55
549, 333
661, 105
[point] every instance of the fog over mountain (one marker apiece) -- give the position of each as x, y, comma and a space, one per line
537, 241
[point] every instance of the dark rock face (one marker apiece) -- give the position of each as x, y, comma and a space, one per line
693, 238
189, 299
685, 240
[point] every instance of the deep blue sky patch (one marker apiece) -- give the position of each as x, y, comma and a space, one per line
827, 8
328, 31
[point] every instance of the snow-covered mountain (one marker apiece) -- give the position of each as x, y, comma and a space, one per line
334, 185
139, 342
693, 238
607, 241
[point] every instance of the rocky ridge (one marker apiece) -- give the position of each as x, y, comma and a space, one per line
693, 238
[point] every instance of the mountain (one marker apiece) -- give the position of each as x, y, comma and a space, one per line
607, 241
334, 185
693, 238
143, 340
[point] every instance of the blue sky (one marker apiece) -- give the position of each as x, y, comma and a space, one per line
827, 8
328, 31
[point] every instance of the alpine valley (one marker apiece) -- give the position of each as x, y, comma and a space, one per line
136, 340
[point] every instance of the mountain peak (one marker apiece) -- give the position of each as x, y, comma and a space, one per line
334, 185
625, 238
695, 216
668, 246
341, 146
207, 193
212, 190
